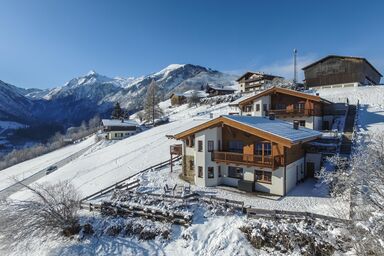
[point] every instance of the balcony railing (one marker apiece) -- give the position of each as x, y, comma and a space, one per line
279, 112
248, 159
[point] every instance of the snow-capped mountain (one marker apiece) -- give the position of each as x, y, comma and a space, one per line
83, 97
14, 105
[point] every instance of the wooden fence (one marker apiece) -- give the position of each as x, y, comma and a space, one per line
121, 183
281, 214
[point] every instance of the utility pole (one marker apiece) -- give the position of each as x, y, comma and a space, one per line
294, 67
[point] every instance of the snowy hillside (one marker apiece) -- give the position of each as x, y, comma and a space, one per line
371, 100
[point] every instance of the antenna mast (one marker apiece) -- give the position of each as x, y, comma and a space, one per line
294, 67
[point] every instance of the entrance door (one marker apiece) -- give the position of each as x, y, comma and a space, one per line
310, 169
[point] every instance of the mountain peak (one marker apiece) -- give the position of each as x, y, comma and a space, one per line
92, 72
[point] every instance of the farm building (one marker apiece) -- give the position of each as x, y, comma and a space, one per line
216, 90
341, 71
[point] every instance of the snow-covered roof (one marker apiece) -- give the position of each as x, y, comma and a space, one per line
249, 95
276, 127
222, 87
119, 122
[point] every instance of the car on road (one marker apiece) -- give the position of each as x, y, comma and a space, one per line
51, 169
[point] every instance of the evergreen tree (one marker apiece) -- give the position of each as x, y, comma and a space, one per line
117, 112
151, 106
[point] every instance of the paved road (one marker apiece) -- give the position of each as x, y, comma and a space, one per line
5, 193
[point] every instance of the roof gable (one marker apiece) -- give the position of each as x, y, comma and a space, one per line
275, 130
287, 92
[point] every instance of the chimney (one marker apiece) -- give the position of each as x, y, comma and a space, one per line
210, 115
122, 120
317, 94
296, 125
271, 116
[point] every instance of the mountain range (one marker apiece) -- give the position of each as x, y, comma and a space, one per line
83, 97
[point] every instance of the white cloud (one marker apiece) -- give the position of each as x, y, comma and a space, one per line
285, 67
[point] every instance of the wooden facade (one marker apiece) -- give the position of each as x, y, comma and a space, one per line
254, 80
334, 69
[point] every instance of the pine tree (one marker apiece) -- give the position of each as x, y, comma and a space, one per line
151, 106
117, 112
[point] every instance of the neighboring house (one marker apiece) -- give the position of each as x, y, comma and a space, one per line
251, 153
311, 111
116, 129
216, 90
253, 81
182, 98
178, 99
340, 71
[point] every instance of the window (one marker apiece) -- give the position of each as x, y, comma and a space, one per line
257, 107
259, 149
265, 107
190, 142
200, 172
235, 146
191, 165
302, 123
280, 106
219, 171
263, 176
299, 106
211, 173
248, 108
200, 146
219, 145
263, 147
210, 146
235, 172
267, 149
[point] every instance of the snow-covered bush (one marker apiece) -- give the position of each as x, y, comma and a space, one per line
51, 210
303, 237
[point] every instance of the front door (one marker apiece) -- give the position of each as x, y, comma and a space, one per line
310, 169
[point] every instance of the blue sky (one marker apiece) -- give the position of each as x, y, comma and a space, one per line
46, 43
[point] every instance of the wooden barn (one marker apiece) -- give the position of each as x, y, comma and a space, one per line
215, 90
341, 71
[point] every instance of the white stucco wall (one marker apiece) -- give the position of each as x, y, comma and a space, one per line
111, 134
295, 171
204, 158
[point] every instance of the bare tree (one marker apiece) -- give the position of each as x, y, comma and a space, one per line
363, 176
52, 209
152, 110
194, 99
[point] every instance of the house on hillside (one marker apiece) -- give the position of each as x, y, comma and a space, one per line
310, 111
216, 90
250, 153
178, 99
253, 81
116, 129
340, 71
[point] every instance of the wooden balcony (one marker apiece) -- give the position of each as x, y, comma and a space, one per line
249, 160
292, 112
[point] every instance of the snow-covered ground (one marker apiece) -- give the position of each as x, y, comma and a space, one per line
32, 166
371, 100
99, 169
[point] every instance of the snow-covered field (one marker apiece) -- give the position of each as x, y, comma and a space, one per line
371, 100
99, 169
32, 166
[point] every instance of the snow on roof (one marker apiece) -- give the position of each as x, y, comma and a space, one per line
119, 122
222, 87
236, 102
276, 127
189, 93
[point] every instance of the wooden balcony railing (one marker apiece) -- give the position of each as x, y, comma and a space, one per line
245, 159
279, 112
